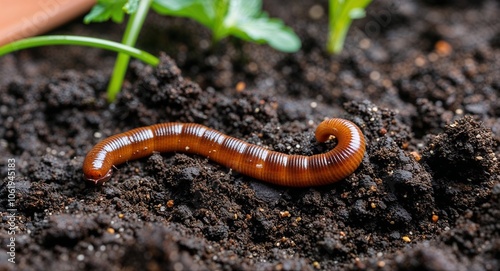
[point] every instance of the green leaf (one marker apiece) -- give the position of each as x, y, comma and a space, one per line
131, 6
243, 9
246, 21
241, 18
270, 31
174, 5
111, 9
357, 13
202, 11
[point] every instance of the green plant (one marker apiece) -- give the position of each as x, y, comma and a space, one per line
106, 9
240, 18
125, 49
341, 14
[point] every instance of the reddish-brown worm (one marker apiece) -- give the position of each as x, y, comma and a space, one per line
251, 160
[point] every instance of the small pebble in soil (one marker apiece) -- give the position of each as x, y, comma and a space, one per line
285, 214
316, 12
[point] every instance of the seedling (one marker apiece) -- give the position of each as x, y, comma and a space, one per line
341, 14
125, 49
116, 9
240, 18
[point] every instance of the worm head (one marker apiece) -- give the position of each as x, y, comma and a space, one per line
97, 177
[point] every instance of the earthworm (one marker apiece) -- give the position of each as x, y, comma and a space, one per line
252, 160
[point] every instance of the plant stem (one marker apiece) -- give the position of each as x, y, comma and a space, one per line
132, 31
81, 41
341, 14
338, 30
337, 38
220, 31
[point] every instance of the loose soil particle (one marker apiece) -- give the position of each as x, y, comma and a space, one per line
420, 78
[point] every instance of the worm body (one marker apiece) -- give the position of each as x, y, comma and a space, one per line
248, 159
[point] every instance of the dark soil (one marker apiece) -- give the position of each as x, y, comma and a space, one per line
421, 79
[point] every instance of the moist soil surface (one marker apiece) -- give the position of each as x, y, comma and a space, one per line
420, 78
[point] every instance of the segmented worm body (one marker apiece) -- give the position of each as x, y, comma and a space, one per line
248, 159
